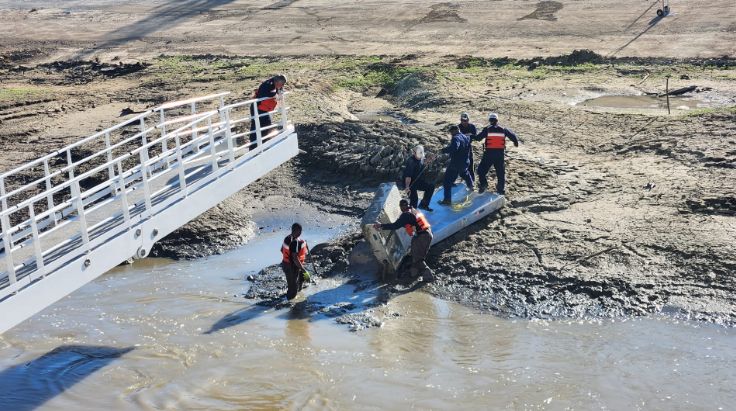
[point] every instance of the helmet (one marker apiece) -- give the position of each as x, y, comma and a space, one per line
464, 116
493, 116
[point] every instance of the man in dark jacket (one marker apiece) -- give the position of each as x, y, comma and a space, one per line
458, 165
268, 90
494, 137
468, 128
420, 231
414, 179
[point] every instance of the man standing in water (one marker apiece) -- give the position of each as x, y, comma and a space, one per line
294, 253
458, 166
420, 231
269, 89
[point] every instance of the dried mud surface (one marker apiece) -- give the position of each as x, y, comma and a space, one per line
611, 212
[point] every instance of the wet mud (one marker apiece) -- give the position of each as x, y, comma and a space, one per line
609, 213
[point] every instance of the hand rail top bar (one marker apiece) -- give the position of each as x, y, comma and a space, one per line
180, 103
127, 122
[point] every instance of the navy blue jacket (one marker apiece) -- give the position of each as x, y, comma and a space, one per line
458, 149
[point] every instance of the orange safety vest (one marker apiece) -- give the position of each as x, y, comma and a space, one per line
286, 252
268, 104
495, 140
422, 223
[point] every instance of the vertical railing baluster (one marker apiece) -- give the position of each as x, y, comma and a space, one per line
180, 165
8, 244
123, 193
146, 186
144, 140
164, 145
257, 119
282, 110
40, 266
229, 138
77, 198
213, 152
195, 147
111, 166
50, 196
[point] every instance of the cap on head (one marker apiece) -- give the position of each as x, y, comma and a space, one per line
418, 151
280, 77
296, 228
454, 129
492, 117
464, 117
403, 204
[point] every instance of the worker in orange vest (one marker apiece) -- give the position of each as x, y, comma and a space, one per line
268, 90
494, 137
420, 231
293, 256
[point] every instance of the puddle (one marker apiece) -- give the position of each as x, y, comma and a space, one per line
644, 102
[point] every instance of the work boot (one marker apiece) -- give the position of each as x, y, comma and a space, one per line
425, 207
445, 202
428, 277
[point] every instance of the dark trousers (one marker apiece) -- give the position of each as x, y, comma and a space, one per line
264, 120
471, 167
451, 174
493, 158
419, 248
420, 185
294, 280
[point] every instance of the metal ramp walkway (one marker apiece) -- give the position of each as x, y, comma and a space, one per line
74, 214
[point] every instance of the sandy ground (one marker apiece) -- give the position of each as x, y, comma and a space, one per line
142, 29
613, 210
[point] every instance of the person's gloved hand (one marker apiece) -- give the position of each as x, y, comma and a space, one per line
306, 276
516, 144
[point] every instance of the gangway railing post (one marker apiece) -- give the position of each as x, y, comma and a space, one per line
229, 138
50, 197
282, 111
4, 202
257, 119
180, 165
213, 151
195, 147
144, 140
111, 167
8, 244
146, 186
123, 193
69, 163
164, 145
77, 198
40, 266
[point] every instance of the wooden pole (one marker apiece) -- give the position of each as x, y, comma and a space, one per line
667, 92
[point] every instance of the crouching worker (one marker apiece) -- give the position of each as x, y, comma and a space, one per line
294, 253
418, 228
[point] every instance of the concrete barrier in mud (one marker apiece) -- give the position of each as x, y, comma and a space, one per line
390, 247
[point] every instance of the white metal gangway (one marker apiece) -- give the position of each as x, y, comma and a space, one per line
72, 215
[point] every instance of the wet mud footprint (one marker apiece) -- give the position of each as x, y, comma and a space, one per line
545, 11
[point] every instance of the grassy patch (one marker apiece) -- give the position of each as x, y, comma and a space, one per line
712, 110
378, 74
20, 93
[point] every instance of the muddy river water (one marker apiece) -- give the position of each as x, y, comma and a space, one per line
178, 335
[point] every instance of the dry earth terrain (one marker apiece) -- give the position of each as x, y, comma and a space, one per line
615, 208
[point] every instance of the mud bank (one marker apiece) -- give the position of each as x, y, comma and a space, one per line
610, 213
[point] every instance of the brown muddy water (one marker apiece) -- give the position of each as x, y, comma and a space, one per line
178, 335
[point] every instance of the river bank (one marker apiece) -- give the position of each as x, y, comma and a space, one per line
612, 211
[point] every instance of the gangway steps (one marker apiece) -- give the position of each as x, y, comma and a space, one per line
56, 248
